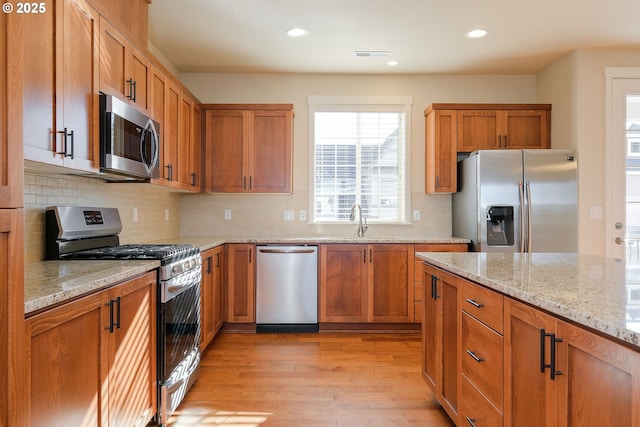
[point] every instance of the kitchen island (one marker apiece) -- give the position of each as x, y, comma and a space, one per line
532, 339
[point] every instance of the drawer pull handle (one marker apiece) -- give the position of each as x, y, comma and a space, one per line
471, 421
474, 303
474, 356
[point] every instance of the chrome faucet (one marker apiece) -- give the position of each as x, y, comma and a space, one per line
362, 227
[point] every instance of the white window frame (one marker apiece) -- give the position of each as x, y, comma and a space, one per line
351, 103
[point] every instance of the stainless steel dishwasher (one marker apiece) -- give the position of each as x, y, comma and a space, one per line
286, 288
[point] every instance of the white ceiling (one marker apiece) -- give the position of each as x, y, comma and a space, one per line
424, 36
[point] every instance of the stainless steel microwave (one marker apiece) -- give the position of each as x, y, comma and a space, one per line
129, 141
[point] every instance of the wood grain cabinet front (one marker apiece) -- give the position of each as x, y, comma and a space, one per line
60, 63
366, 283
211, 301
248, 148
569, 375
93, 360
240, 279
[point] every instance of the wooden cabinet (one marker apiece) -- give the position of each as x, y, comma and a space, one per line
583, 380
440, 343
60, 92
517, 128
129, 16
12, 345
124, 70
343, 283
212, 308
93, 360
366, 283
248, 148
463, 128
418, 296
440, 149
189, 144
240, 280
11, 166
481, 355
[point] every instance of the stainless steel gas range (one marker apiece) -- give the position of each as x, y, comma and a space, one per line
74, 232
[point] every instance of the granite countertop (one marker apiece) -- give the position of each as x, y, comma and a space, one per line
48, 283
586, 289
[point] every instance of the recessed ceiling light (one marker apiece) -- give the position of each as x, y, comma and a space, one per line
392, 63
297, 32
476, 34
371, 53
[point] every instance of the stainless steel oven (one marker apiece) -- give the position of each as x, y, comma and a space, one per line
92, 233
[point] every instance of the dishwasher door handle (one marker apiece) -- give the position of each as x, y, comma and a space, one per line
288, 251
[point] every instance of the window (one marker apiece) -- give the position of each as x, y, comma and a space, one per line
359, 156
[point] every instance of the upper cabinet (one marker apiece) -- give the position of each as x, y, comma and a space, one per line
60, 53
11, 175
462, 128
124, 71
248, 148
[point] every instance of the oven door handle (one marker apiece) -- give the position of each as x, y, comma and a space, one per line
179, 284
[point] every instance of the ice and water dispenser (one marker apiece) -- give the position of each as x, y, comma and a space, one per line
500, 225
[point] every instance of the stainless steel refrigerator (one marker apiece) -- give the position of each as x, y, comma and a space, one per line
517, 201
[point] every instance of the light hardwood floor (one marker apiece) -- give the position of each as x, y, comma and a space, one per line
311, 380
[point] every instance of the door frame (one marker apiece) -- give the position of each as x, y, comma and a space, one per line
613, 197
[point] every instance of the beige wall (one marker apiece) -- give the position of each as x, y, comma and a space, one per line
42, 190
263, 214
575, 85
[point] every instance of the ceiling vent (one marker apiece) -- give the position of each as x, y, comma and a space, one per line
371, 53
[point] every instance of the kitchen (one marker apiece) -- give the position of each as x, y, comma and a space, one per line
573, 84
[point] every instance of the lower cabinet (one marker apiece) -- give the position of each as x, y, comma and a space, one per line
584, 379
240, 280
93, 360
494, 361
366, 283
440, 344
211, 296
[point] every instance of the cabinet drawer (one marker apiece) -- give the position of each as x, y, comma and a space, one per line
483, 304
482, 358
475, 409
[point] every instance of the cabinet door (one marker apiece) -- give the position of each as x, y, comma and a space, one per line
11, 166
430, 326
529, 395
343, 283
477, 130
599, 384
185, 129
225, 151
68, 362
12, 337
440, 152
206, 300
139, 71
195, 149
218, 289
524, 129
113, 61
269, 150
172, 136
158, 107
80, 81
391, 292
241, 283
132, 353
449, 343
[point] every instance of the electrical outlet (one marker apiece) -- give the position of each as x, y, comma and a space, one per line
288, 215
416, 215
302, 215
166, 215
135, 214
227, 214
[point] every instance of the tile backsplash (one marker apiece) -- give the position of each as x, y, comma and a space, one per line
154, 205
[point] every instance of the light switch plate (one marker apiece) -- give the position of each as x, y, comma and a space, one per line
416, 215
227, 214
288, 215
302, 215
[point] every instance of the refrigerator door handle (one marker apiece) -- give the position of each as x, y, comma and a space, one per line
522, 211
529, 226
